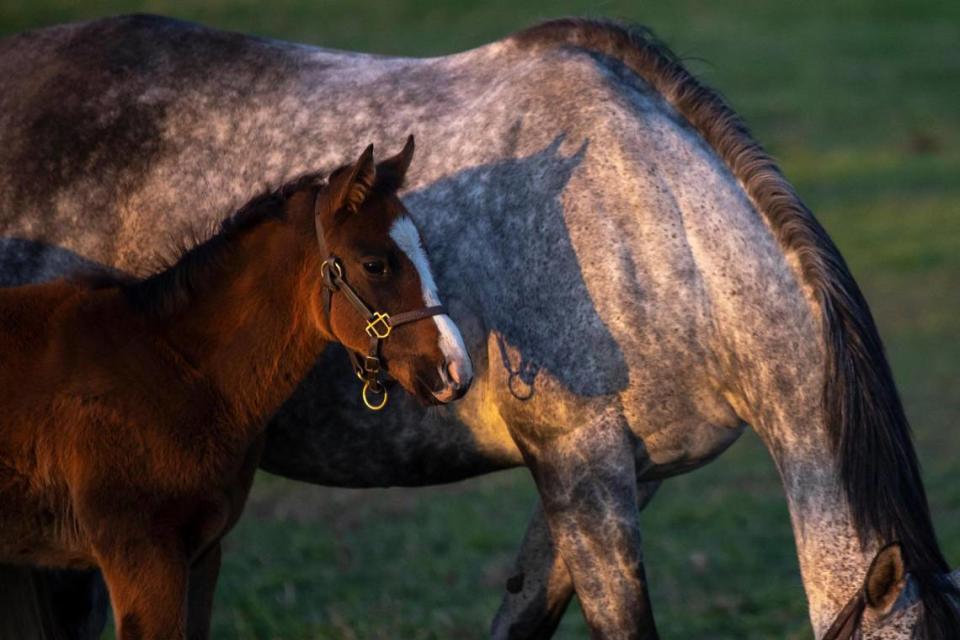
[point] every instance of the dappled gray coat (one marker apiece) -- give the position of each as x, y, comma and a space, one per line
635, 280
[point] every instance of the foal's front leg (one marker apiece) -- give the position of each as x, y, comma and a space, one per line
148, 590
203, 585
540, 588
587, 483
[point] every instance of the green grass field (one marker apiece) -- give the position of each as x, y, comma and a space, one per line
861, 102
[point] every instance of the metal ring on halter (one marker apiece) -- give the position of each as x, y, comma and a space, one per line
327, 267
366, 401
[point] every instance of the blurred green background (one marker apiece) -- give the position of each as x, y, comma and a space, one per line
860, 101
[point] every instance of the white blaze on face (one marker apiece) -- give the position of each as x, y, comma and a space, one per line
405, 234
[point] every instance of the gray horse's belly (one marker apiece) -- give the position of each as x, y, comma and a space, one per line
324, 435
25, 261
683, 448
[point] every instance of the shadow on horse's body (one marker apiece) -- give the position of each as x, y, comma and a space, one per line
636, 281
134, 410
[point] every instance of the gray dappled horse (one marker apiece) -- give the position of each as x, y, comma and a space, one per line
636, 281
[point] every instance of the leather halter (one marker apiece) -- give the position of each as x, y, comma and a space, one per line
379, 323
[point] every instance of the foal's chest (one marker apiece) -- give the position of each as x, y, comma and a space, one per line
39, 527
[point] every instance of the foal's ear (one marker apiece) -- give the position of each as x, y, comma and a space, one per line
350, 187
392, 171
886, 578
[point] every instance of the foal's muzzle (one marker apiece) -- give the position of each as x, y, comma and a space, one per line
455, 377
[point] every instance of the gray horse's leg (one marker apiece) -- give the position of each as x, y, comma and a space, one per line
540, 588
587, 483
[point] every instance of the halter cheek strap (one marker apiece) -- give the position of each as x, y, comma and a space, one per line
379, 324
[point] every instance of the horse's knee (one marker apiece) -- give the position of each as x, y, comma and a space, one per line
587, 481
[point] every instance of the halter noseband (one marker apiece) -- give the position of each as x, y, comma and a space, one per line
379, 324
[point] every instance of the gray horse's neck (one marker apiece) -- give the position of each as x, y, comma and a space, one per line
765, 336
832, 561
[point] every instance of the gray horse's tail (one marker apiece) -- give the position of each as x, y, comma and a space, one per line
877, 465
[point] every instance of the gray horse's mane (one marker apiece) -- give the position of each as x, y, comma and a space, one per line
877, 465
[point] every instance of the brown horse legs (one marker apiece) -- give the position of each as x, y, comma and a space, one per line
203, 584
148, 590
72, 604
540, 588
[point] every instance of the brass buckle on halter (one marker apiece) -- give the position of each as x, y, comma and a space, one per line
367, 386
371, 367
379, 327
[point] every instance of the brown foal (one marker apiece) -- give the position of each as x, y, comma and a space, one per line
132, 412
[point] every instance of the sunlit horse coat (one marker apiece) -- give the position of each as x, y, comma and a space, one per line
636, 281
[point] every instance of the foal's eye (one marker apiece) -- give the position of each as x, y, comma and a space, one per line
375, 267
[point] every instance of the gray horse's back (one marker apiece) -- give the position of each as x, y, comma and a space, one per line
112, 141
84, 111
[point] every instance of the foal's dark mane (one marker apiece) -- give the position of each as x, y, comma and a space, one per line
171, 288
878, 467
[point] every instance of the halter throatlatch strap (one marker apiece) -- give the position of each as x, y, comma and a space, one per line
379, 325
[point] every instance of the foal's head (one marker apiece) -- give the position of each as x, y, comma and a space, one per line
380, 256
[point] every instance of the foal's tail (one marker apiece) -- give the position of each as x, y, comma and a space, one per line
877, 465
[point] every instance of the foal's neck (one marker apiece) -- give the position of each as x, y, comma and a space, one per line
252, 325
